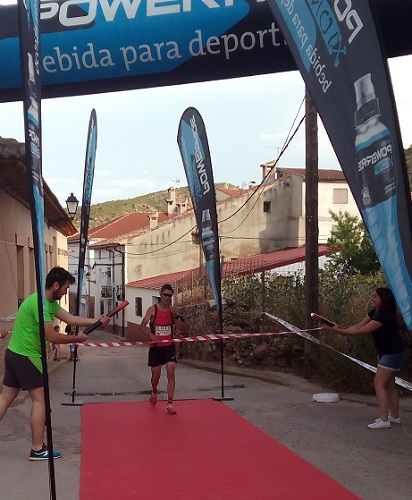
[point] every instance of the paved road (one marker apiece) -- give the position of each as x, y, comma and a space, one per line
373, 464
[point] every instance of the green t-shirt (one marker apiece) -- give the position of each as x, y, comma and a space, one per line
25, 338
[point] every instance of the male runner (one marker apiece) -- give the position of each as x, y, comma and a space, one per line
162, 318
23, 363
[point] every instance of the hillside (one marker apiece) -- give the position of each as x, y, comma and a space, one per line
109, 210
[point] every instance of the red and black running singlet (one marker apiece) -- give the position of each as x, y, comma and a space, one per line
162, 325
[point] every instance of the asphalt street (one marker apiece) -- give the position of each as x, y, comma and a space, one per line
373, 464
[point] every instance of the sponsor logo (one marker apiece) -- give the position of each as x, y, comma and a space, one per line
328, 23
68, 15
381, 159
199, 157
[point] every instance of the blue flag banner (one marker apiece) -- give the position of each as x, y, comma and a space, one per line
86, 201
30, 65
197, 162
338, 51
28, 11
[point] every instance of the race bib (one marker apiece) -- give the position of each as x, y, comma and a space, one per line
163, 331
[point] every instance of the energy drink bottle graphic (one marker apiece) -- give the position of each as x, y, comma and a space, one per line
208, 236
376, 173
208, 243
34, 107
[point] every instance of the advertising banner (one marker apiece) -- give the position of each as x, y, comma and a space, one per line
86, 202
84, 225
92, 46
197, 162
30, 64
28, 15
338, 52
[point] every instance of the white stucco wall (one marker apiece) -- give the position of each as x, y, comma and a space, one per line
244, 229
326, 203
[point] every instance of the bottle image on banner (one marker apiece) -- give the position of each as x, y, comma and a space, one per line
34, 107
208, 236
376, 173
208, 243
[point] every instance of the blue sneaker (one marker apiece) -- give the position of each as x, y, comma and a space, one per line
43, 454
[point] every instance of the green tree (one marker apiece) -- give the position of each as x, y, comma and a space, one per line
353, 251
408, 156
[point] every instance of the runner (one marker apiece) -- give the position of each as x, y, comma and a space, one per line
162, 317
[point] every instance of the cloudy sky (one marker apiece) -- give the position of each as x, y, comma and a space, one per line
247, 122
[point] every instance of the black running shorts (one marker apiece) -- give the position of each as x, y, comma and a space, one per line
20, 372
159, 356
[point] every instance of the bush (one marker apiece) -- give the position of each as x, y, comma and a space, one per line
345, 300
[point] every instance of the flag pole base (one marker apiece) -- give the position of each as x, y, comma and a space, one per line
223, 398
73, 403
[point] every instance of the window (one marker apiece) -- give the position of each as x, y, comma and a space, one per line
340, 196
266, 207
196, 237
138, 306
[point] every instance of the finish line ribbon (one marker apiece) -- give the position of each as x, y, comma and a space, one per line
181, 340
303, 333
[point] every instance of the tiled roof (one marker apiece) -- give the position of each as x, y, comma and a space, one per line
324, 174
133, 224
156, 282
13, 180
231, 192
329, 175
269, 260
246, 265
125, 225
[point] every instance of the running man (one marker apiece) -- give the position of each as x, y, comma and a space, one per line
161, 318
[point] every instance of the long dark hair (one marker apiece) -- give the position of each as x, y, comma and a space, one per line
388, 302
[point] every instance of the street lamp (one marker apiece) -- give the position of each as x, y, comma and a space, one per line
72, 203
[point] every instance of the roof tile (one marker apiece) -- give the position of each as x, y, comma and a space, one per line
246, 265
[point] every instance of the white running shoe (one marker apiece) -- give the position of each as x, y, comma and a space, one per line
394, 420
380, 424
170, 410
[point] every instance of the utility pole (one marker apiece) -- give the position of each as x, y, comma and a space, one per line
312, 230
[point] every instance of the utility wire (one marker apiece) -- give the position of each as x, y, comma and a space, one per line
255, 191
286, 144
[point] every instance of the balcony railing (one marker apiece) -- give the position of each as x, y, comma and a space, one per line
120, 293
107, 292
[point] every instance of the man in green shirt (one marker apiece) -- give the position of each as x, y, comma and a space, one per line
23, 358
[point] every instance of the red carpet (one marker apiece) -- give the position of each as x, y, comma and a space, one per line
205, 452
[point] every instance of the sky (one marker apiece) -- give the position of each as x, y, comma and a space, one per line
247, 122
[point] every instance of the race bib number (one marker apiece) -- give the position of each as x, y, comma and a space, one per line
163, 331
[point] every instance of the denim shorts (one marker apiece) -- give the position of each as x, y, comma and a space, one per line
392, 361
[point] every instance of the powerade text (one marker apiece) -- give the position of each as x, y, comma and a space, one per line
200, 165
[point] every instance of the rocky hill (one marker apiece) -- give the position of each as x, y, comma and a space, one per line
109, 210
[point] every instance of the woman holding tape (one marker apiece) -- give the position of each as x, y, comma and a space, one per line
382, 324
